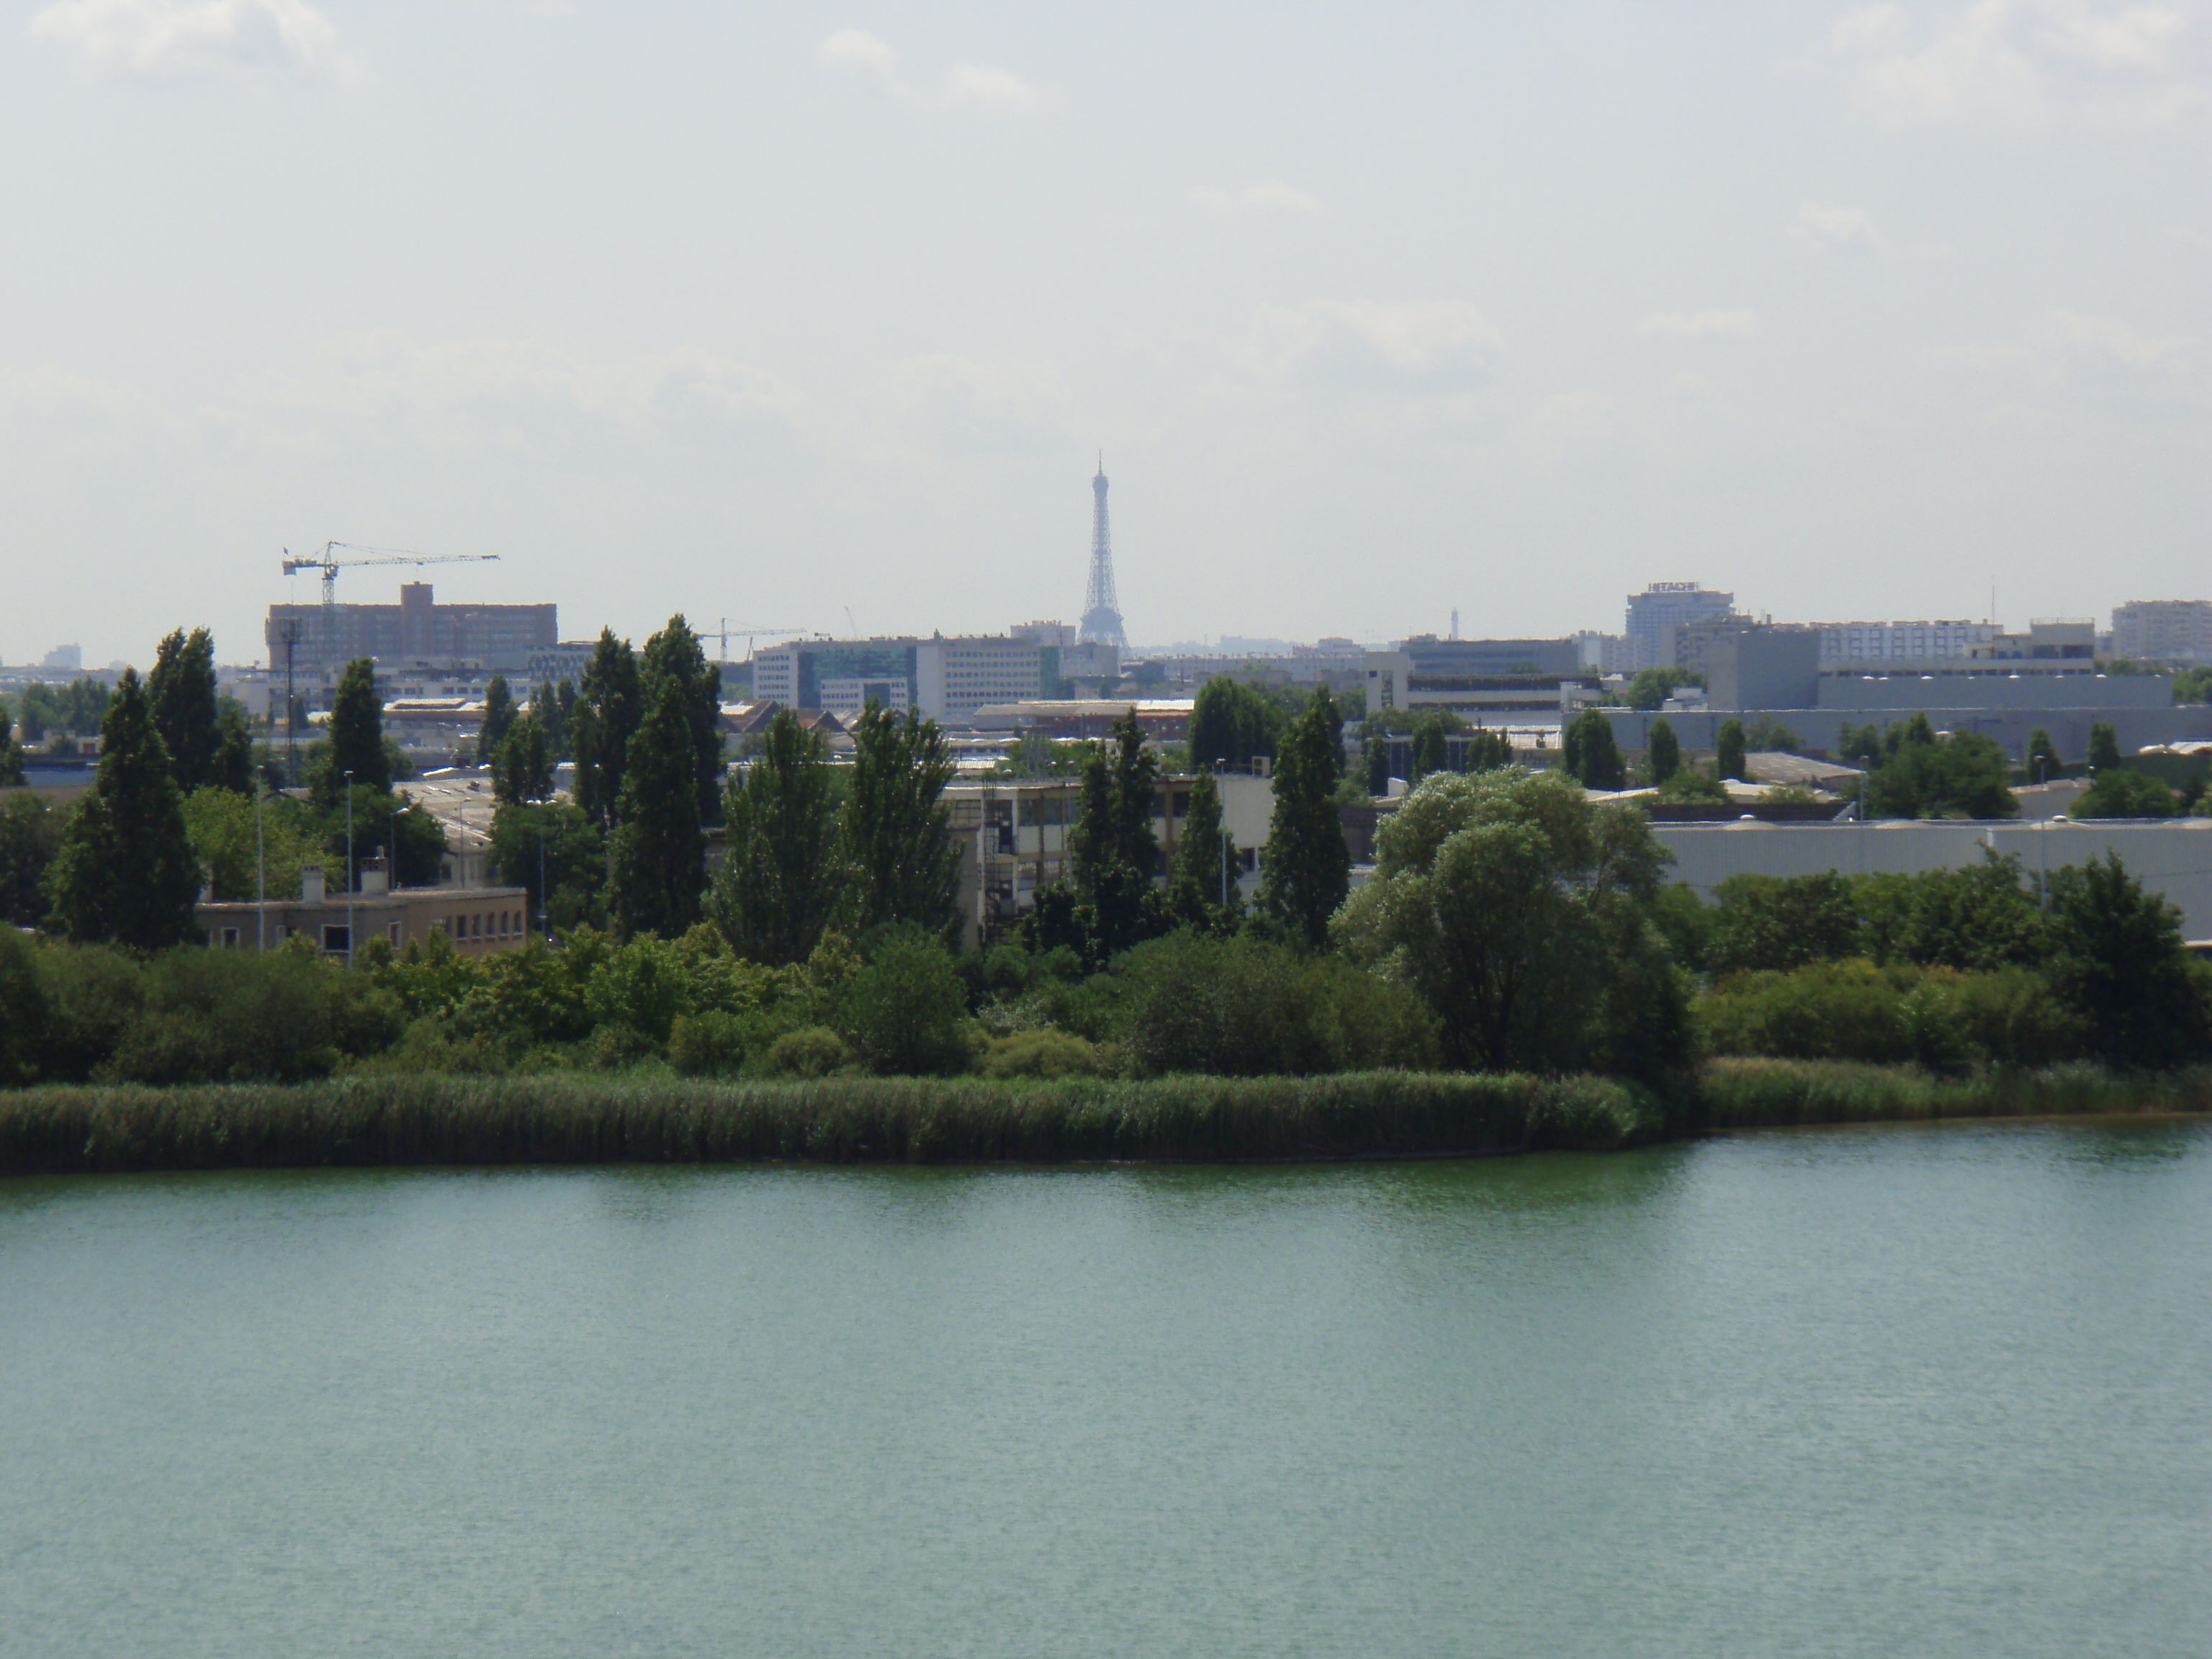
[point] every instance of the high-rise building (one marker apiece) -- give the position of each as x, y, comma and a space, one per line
2163, 630
1101, 607
1654, 615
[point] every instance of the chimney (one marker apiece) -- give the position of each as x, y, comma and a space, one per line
311, 884
375, 877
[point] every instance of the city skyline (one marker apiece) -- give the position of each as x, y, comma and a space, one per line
1852, 310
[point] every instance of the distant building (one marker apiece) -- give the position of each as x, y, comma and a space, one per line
1606, 653
1654, 614
1901, 641
478, 920
68, 659
415, 630
2163, 630
1481, 680
946, 677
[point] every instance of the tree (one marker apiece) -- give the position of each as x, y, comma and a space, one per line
555, 838
658, 848
1526, 916
1731, 748
1309, 867
30, 837
1781, 922
11, 754
1651, 686
2120, 794
498, 719
2118, 960
902, 1013
1921, 776
124, 873
1664, 750
409, 837
234, 749
608, 709
240, 864
356, 739
1113, 854
1231, 723
552, 706
674, 656
1374, 757
2042, 762
522, 769
1430, 749
181, 692
22, 1012
2103, 746
1203, 882
900, 863
1487, 750
1591, 755
1976, 920
778, 885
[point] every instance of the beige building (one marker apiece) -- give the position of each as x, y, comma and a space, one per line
2163, 630
478, 920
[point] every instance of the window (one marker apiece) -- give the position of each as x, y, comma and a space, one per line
392, 931
336, 939
230, 938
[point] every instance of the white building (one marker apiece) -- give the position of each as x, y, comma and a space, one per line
1659, 610
2163, 630
948, 677
1844, 642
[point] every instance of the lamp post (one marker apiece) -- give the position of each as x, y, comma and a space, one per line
260, 872
1223, 800
542, 927
349, 789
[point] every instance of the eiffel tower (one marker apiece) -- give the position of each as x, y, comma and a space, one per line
1102, 609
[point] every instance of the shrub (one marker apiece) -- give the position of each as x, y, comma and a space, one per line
1854, 1011
811, 1051
1043, 1054
710, 1044
903, 1013
91, 994
23, 1008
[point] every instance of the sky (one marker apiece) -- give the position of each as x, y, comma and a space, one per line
780, 316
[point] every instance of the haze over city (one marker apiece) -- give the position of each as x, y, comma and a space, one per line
1376, 314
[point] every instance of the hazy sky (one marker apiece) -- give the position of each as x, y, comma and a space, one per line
764, 312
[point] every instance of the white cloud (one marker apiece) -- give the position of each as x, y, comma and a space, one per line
2031, 60
254, 40
965, 86
1704, 325
1839, 230
2099, 360
1421, 349
982, 408
1269, 195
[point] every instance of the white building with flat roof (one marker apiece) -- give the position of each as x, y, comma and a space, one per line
2163, 630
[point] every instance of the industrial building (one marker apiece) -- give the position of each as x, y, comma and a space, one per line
1485, 681
947, 679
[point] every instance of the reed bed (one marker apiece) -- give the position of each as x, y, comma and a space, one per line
1751, 1094
450, 1120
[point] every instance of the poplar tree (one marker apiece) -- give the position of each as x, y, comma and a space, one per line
778, 885
181, 696
11, 754
1591, 755
608, 707
125, 872
658, 850
1731, 749
1308, 866
674, 656
1205, 863
498, 720
2042, 762
1112, 849
522, 770
356, 738
1375, 758
900, 863
1662, 751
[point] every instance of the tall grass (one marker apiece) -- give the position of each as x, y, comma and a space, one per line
554, 1118
1746, 1094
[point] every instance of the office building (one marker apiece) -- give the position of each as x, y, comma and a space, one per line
415, 630
1654, 615
2163, 630
947, 679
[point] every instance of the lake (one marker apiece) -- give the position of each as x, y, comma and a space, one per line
1940, 1391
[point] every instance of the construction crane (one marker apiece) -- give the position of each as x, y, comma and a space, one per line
748, 634
330, 565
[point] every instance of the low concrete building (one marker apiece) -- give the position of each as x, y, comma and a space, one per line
478, 920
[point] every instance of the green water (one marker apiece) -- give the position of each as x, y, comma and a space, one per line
1930, 1392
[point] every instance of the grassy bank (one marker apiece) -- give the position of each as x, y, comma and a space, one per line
1755, 1094
445, 1120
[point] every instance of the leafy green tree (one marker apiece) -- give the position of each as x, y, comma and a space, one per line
1114, 854
1689, 786
181, 692
1732, 750
1977, 920
553, 705
1921, 776
556, 839
1231, 723
609, 705
2120, 794
903, 1013
124, 873
2104, 747
1664, 750
1526, 916
779, 883
900, 863
2118, 960
1652, 686
2193, 686
220, 824
2042, 762
658, 848
356, 739
1776, 923
523, 768
1590, 754
30, 837
22, 1012
410, 838
11, 753
1487, 750
675, 656
1309, 867
498, 720
1203, 883
1430, 749
1766, 734
1374, 758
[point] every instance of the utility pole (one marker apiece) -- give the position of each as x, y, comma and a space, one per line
260, 872
349, 789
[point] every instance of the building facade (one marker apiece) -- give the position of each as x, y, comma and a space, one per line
475, 920
947, 678
417, 629
2163, 630
1654, 615
1901, 641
